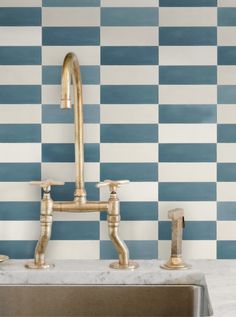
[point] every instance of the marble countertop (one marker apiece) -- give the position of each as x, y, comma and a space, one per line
218, 275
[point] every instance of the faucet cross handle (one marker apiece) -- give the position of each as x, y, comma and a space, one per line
46, 185
113, 185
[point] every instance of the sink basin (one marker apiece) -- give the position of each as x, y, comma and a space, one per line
102, 300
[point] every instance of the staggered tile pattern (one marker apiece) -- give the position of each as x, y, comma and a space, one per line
160, 109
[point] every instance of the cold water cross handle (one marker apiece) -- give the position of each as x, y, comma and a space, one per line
113, 185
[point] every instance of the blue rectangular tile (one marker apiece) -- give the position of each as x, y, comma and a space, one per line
198, 36
226, 133
54, 114
129, 94
188, 3
20, 133
75, 230
226, 249
187, 152
187, 75
18, 210
71, 3
129, 16
226, 16
136, 211
226, 94
20, 16
20, 94
19, 172
187, 191
145, 250
66, 192
59, 152
129, 133
226, 210
71, 36
226, 172
52, 75
187, 113
129, 55
194, 230
21, 249
135, 172
20, 55
226, 55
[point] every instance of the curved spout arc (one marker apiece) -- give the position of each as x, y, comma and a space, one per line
71, 69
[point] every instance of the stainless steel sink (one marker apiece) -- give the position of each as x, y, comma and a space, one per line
100, 300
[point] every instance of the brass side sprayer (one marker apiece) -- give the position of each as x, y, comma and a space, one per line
176, 262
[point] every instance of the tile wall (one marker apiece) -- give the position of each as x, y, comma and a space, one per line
159, 83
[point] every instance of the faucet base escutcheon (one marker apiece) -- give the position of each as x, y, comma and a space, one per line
33, 265
118, 266
3, 258
175, 263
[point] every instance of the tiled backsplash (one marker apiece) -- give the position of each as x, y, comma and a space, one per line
159, 83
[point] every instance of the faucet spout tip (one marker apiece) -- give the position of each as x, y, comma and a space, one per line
65, 103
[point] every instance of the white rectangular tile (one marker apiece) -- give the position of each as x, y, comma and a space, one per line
193, 210
226, 36
75, 216
135, 191
187, 172
187, 55
54, 55
129, 113
198, 249
20, 75
226, 230
188, 94
20, 36
20, 113
81, 250
66, 171
19, 191
226, 191
226, 3
19, 230
184, 16
226, 113
139, 36
64, 133
51, 94
22, 3
132, 230
20, 152
71, 16
226, 152
129, 75
129, 3
187, 133
123, 152
226, 75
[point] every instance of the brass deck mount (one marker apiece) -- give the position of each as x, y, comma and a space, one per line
70, 70
175, 261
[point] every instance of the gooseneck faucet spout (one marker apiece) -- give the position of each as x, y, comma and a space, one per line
71, 70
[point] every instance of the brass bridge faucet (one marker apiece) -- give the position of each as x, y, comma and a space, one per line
70, 70
176, 262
